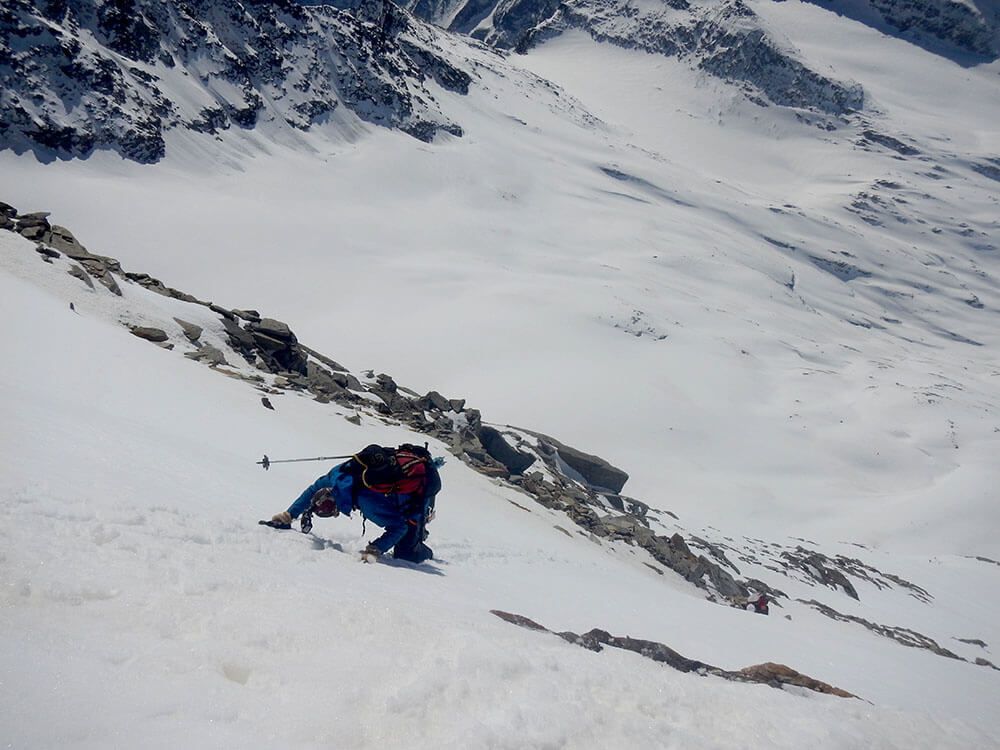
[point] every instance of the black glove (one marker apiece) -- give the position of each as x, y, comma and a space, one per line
281, 520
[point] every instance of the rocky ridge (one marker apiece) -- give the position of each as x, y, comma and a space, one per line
769, 673
82, 76
266, 354
122, 74
76, 76
727, 40
969, 28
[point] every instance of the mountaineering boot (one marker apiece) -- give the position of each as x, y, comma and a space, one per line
411, 547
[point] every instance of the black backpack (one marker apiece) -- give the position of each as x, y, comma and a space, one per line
399, 471
391, 471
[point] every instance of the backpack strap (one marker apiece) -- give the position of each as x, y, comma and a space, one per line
355, 469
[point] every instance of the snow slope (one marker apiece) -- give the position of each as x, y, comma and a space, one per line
760, 320
780, 331
132, 561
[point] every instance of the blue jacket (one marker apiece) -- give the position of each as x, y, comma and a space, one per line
393, 513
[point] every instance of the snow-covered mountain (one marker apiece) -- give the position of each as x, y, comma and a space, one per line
963, 28
710, 291
724, 39
79, 76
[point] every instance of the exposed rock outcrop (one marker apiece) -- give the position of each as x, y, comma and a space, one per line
208, 355
155, 285
904, 636
778, 675
92, 75
724, 39
156, 335
514, 460
588, 509
817, 566
594, 470
769, 673
277, 346
191, 331
79, 273
47, 253
967, 32
697, 569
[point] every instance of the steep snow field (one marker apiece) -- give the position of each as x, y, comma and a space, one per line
143, 606
769, 385
778, 330
868, 421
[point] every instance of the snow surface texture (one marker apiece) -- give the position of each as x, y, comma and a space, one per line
647, 267
132, 559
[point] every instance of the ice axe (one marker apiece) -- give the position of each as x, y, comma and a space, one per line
266, 462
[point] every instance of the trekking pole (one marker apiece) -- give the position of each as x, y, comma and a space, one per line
266, 462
